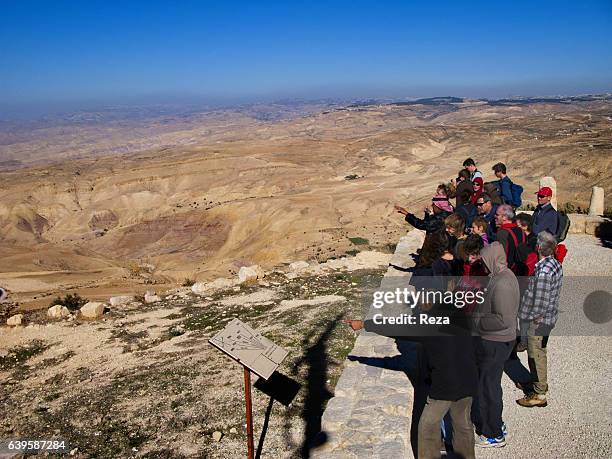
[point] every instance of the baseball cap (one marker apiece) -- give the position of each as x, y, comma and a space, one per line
544, 191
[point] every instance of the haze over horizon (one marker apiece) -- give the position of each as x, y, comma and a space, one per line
66, 56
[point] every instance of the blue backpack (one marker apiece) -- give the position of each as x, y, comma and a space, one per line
517, 191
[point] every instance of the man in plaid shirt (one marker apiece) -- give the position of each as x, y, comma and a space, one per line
539, 310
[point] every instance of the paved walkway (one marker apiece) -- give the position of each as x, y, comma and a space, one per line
370, 415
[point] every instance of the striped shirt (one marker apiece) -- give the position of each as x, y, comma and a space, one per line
541, 299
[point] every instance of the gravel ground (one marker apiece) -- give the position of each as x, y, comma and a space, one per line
578, 419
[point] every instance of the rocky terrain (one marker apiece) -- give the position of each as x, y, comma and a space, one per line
208, 192
178, 218
141, 380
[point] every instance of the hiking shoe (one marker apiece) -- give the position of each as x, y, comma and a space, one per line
485, 442
531, 400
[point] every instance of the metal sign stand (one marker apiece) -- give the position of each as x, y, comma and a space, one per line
255, 353
249, 413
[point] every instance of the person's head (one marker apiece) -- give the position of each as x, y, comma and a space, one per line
469, 164
472, 247
455, 225
544, 195
478, 184
479, 226
442, 190
500, 170
546, 244
484, 204
434, 246
524, 221
463, 174
440, 203
504, 214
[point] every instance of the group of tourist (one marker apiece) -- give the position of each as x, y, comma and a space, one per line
480, 243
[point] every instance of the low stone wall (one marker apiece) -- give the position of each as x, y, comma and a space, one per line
595, 225
370, 413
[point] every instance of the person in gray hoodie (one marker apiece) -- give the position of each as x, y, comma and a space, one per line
494, 323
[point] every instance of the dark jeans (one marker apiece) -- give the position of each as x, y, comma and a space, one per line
488, 404
429, 428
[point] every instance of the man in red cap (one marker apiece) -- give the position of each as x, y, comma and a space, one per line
545, 217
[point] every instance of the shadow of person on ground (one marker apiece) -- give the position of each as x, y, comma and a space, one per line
604, 233
317, 394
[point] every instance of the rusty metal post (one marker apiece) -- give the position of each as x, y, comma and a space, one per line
249, 413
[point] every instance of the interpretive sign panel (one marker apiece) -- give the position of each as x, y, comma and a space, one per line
251, 349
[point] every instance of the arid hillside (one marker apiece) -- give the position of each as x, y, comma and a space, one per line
235, 188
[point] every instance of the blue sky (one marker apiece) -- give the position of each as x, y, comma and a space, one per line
111, 51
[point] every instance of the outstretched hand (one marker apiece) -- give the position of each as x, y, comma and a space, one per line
355, 324
401, 210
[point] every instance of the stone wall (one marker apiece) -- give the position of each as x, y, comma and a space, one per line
370, 413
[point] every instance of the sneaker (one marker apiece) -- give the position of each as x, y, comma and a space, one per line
485, 442
531, 400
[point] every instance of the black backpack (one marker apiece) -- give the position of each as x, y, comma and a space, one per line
563, 225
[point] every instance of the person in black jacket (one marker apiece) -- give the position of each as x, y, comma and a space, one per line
545, 217
467, 210
463, 184
450, 366
525, 222
434, 216
448, 358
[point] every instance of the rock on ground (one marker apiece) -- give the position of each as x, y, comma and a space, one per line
151, 297
15, 320
93, 310
250, 273
120, 300
202, 288
58, 312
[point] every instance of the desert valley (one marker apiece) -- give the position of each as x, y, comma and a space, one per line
117, 201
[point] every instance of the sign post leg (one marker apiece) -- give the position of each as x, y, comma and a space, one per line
249, 412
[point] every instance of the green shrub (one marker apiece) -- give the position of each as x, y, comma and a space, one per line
188, 282
359, 240
71, 301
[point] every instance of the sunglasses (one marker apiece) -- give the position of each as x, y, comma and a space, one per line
480, 204
540, 196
